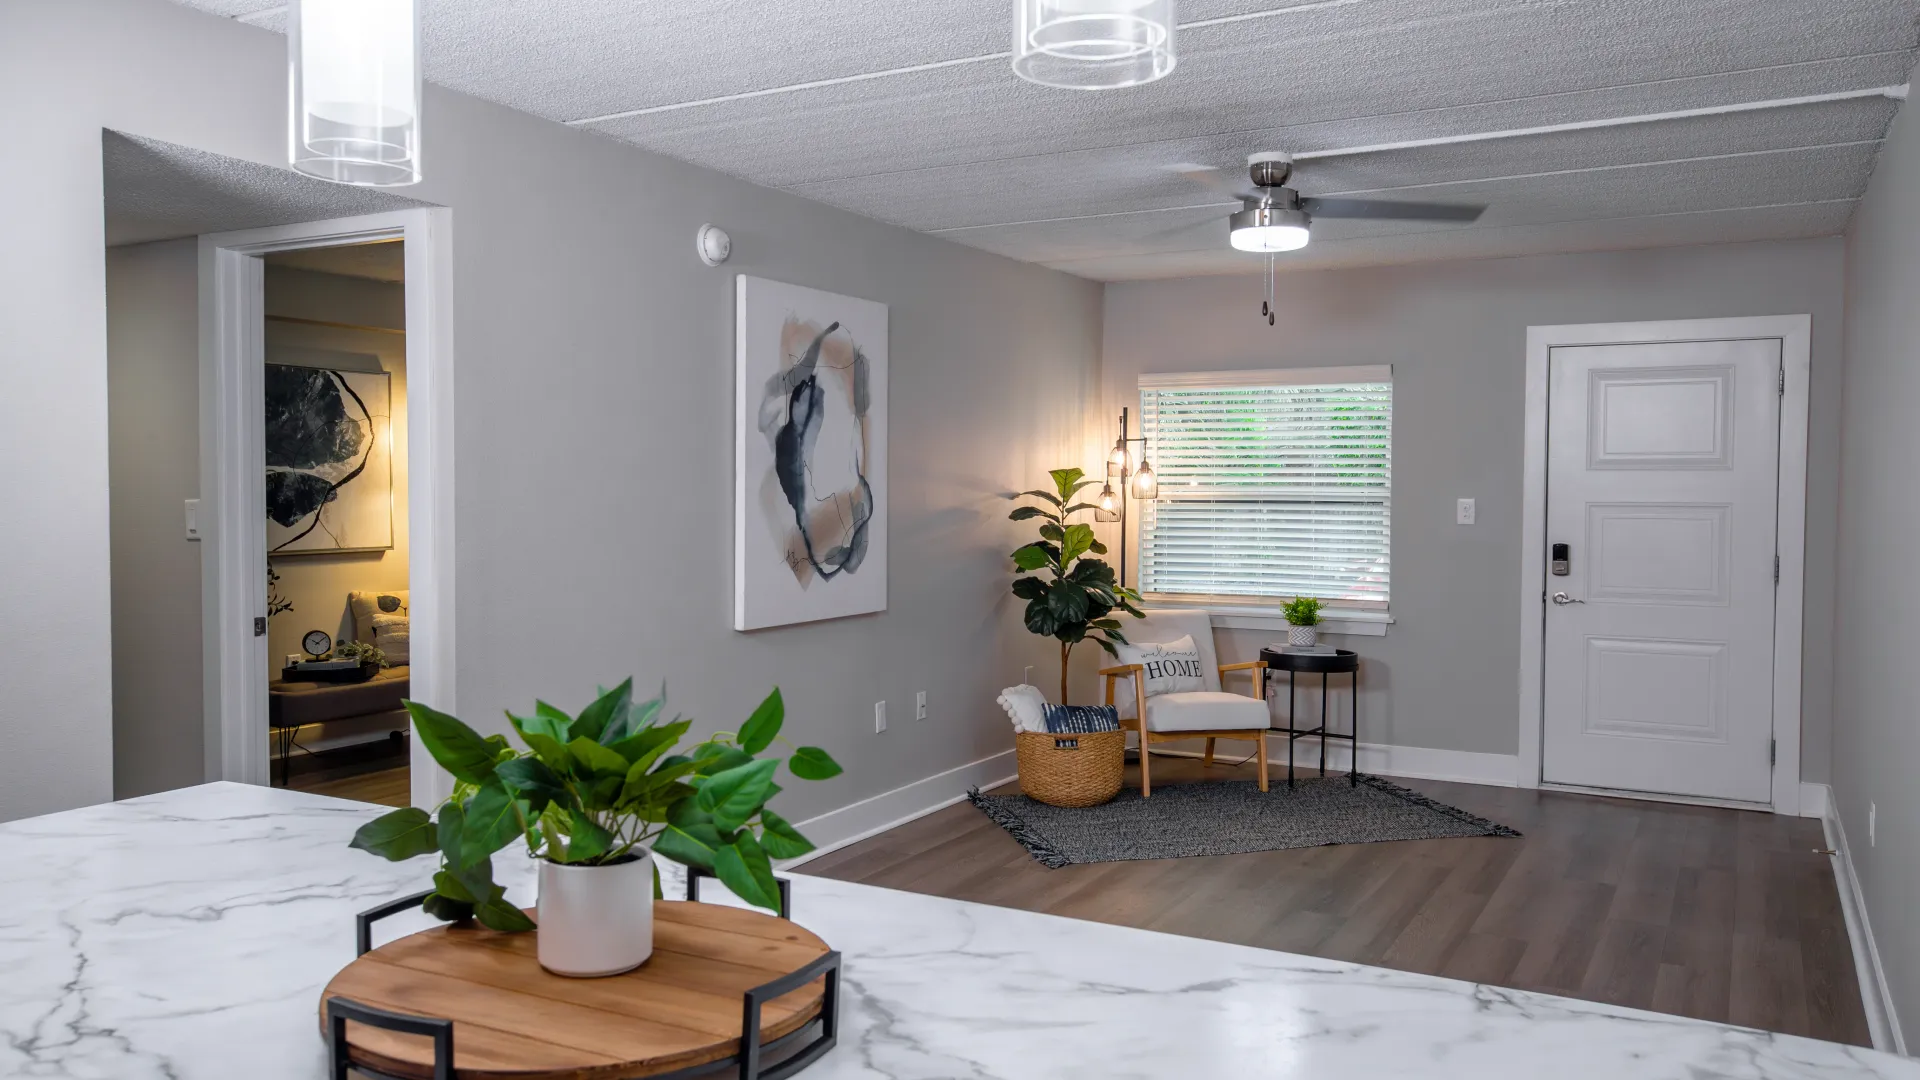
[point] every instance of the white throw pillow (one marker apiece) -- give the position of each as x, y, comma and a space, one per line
390, 633
1026, 706
1170, 667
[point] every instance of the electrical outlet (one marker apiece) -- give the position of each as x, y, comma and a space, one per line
879, 717
193, 519
1873, 812
1463, 511
920, 705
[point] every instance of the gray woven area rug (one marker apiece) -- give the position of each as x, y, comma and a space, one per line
1228, 817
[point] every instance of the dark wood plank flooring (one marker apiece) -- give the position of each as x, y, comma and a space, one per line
1724, 915
374, 772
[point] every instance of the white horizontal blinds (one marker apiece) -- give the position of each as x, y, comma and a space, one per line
1272, 484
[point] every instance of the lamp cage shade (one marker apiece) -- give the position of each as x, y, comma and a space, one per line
1144, 484
355, 91
1093, 44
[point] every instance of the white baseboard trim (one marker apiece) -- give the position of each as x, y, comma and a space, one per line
1883, 1024
1813, 801
836, 829
1414, 762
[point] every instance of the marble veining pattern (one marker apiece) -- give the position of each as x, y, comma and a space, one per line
187, 935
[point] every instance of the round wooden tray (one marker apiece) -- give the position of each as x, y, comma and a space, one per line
679, 1010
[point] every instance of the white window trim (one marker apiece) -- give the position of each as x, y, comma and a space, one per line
1259, 613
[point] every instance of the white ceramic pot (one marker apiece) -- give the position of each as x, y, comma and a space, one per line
1303, 636
596, 920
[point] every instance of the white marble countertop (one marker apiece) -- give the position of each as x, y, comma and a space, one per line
187, 936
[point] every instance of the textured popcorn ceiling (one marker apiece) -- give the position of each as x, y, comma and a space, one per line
904, 112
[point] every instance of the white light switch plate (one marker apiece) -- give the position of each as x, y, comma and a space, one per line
920, 706
1463, 511
879, 717
193, 519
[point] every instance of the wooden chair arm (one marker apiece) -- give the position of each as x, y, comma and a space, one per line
1250, 665
1122, 671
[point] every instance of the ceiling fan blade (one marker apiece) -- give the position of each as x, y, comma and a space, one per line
1382, 209
1214, 181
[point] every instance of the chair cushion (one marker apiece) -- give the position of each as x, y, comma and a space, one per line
1205, 710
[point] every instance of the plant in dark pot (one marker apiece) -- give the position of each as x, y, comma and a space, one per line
1070, 596
594, 796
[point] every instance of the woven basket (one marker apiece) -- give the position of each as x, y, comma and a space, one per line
1071, 770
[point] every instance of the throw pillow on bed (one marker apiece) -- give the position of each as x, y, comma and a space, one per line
390, 633
1170, 667
367, 604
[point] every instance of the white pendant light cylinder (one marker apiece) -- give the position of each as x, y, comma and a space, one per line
356, 90
1093, 44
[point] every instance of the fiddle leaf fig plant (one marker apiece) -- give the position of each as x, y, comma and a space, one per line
592, 788
1070, 595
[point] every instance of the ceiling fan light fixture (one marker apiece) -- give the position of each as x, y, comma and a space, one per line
1267, 229
1093, 44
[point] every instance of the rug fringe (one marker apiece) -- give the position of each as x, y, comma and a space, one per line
1043, 853
1493, 828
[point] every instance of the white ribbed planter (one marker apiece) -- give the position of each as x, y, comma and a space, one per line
1303, 636
596, 920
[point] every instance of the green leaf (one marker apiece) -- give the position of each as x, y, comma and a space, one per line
737, 794
758, 732
453, 824
549, 750
493, 819
497, 914
1067, 601
743, 867
647, 744
715, 757
641, 784
1064, 481
556, 842
1077, 507
440, 907
594, 718
813, 763
458, 748
1052, 532
530, 777
1029, 588
1025, 513
1078, 539
540, 724
1033, 556
637, 716
399, 835
781, 839
587, 839
595, 759
1038, 494
690, 837
1097, 548
1091, 572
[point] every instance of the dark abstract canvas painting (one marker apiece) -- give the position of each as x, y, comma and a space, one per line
329, 460
810, 529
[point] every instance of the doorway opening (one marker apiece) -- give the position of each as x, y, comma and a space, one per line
336, 476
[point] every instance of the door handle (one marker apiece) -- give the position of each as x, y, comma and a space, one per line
1563, 599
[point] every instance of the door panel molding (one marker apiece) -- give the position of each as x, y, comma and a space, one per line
1794, 332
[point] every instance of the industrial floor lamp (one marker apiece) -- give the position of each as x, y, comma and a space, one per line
1129, 467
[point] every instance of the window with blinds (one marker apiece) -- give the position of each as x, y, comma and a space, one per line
1273, 485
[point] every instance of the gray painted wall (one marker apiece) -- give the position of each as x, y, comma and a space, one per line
153, 385
594, 388
1445, 676
1876, 744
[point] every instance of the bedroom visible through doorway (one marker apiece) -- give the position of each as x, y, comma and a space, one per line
335, 392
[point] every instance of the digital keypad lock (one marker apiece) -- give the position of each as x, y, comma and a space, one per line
1562, 565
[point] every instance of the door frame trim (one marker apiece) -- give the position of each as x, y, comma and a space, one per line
233, 498
1794, 333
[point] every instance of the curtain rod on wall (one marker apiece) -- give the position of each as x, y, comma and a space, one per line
335, 325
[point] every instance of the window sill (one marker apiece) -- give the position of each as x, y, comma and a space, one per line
1336, 621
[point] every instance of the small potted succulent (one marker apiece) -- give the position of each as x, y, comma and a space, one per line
1303, 621
594, 797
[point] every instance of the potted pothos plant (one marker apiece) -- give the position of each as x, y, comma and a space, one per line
594, 796
1070, 595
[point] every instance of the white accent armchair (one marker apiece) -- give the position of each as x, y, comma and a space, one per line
1210, 713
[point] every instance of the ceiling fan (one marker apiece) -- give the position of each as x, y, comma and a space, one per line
1277, 218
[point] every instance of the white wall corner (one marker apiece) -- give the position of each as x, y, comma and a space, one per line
1814, 799
1883, 1024
851, 824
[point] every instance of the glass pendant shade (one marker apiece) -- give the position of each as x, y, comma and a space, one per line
356, 91
1117, 460
1108, 508
1144, 484
1093, 44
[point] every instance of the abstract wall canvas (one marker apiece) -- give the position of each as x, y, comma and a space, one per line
329, 460
810, 457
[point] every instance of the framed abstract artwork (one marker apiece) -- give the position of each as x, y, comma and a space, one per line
329, 460
810, 455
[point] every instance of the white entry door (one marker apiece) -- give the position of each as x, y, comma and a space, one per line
1662, 482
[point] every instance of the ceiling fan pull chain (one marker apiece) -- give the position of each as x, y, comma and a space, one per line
1266, 306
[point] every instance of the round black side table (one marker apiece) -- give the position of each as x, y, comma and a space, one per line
1340, 662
